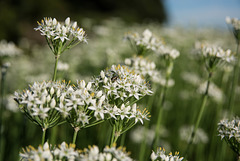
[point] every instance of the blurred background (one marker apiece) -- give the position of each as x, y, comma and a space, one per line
179, 23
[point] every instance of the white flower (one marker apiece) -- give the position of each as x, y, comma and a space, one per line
161, 154
200, 136
8, 49
42, 112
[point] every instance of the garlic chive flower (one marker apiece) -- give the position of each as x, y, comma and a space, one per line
142, 66
214, 55
162, 156
200, 136
92, 153
41, 102
121, 84
61, 36
50, 153
167, 52
143, 43
229, 130
7, 50
235, 22
86, 105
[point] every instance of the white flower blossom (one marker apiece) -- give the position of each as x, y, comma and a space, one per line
161, 154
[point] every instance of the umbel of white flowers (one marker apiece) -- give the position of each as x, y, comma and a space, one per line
143, 43
61, 36
214, 55
69, 153
229, 130
161, 154
235, 22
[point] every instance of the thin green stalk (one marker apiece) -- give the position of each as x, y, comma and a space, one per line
146, 126
205, 97
234, 82
43, 135
112, 135
123, 137
75, 134
3, 74
55, 68
160, 112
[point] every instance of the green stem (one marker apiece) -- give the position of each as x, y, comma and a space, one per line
43, 135
55, 67
76, 129
112, 135
3, 74
234, 82
205, 97
146, 126
160, 112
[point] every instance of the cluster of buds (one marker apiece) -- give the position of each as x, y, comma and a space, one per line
61, 36
161, 154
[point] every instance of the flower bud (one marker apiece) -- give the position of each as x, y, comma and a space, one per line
51, 91
48, 98
67, 21
53, 103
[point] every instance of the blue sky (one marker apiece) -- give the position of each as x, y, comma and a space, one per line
201, 12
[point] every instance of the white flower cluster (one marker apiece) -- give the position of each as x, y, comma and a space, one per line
41, 101
141, 66
8, 49
81, 104
54, 30
216, 52
146, 40
161, 154
121, 84
108, 154
200, 136
234, 21
49, 153
168, 52
214, 91
230, 130
62, 66
69, 153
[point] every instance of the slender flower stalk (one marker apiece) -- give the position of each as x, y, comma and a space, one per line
200, 114
169, 55
213, 56
235, 79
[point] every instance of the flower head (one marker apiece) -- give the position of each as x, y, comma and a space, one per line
144, 42
109, 154
200, 136
235, 22
230, 131
41, 100
61, 36
49, 153
121, 84
214, 55
161, 154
